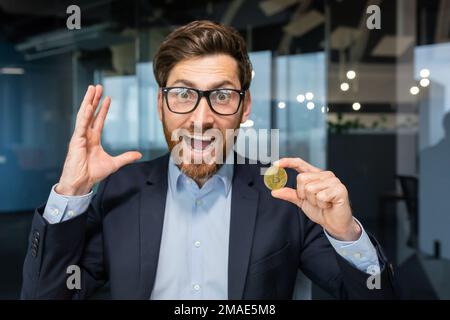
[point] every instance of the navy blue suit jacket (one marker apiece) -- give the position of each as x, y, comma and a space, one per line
118, 240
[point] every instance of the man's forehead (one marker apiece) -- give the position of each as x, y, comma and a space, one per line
205, 72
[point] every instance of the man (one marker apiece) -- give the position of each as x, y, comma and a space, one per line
180, 228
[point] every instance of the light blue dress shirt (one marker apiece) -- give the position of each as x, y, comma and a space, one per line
193, 258
196, 227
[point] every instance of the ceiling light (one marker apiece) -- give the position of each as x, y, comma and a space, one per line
356, 106
309, 96
11, 70
414, 90
424, 73
345, 86
300, 98
281, 105
351, 74
425, 82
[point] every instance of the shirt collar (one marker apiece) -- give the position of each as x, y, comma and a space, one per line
225, 174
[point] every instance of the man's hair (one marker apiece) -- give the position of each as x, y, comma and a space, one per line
201, 38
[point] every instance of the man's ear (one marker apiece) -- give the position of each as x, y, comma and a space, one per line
247, 105
160, 104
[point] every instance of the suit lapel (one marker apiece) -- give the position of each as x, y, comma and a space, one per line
151, 215
244, 203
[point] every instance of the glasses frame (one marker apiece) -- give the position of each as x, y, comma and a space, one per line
200, 95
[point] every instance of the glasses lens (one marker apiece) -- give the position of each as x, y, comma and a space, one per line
225, 101
181, 99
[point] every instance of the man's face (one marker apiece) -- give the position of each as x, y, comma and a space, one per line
204, 73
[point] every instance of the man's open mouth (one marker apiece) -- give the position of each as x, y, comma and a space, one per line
199, 142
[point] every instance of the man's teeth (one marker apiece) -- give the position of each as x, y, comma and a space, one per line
203, 138
200, 142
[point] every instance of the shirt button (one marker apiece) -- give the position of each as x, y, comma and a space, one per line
357, 255
70, 213
344, 253
196, 287
199, 202
55, 211
197, 244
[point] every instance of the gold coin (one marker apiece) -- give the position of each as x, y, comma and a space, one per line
275, 178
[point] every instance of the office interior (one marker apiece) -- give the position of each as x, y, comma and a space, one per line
369, 102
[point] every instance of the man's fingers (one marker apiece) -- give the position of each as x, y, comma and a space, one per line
312, 189
304, 178
84, 120
287, 194
126, 158
319, 184
296, 163
86, 111
334, 194
90, 92
87, 97
324, 205
101, 115
97, 96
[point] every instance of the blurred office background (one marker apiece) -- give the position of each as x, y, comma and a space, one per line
370, 104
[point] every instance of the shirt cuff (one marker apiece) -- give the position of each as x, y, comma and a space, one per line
360, 253
61, 208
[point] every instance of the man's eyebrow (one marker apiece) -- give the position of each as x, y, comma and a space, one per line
212, 86
222, 84
183, 82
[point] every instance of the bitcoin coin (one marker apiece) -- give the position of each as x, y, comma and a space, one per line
275, 178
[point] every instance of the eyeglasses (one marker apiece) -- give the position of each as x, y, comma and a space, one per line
225, 102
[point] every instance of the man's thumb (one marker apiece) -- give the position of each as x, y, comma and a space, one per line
126, 158
286, 194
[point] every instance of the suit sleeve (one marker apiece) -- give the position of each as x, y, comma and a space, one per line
329, 270
53, 248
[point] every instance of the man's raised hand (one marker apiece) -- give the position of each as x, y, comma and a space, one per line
86, 162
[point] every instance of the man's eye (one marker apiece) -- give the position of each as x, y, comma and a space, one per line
183, 94
223, 96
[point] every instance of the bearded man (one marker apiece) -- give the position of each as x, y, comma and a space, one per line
180, 227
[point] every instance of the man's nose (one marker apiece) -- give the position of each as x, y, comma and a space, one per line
203, 113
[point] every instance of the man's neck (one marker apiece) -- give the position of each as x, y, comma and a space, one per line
201, 181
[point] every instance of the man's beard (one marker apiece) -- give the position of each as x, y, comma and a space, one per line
200, 171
